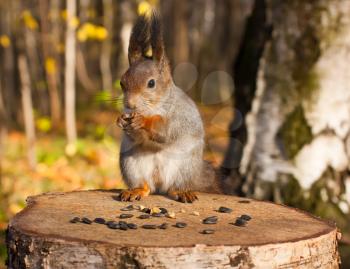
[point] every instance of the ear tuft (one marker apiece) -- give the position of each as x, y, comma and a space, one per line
157, 43
139, 39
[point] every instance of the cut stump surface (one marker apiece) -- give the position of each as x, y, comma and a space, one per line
41, 236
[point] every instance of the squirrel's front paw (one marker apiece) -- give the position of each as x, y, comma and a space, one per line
131, 121
183, 196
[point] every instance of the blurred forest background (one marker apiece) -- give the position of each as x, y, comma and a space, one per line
271, 79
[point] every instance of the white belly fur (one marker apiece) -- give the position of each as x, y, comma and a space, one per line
175, 165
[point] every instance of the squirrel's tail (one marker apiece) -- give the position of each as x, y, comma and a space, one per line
220, 179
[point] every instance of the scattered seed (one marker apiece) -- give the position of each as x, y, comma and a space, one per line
132, 226
180, 224
240, 222
158, 215
195, 213
171, 215
244, 201
223, 209
123, 226
100, 220
245, 217
75, 220
125, 216
144, 216
86, 220
113, 225
163, 210
146, 210
110, 221
149, 226
210, 220
121, 222
163, 226
155, 210
128, 208
208, 231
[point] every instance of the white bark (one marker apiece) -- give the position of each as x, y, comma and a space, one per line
70, 58
27, 109
326, 103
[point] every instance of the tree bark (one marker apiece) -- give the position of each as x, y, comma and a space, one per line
41, 236
105, 60
49, 59
299, 124
70, 58
27, 109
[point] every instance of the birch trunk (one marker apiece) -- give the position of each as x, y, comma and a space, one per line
105, 60
70, 58
27, 109
299, 124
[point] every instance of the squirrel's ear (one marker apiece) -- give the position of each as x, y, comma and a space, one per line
139, 39
158, 51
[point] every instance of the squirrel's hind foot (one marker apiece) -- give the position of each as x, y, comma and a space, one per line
183, 196
134, 194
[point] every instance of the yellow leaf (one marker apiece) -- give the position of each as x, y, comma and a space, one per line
5, 41
74, 22
64, 14
101, 33
81, 35
50, 65
29, 20
144, 8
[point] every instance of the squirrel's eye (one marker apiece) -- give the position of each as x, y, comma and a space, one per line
151, 83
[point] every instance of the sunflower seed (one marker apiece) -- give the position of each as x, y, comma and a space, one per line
158, 215
146, 210
210, 220
163, 226
100, 220
125, 216
75, 220
86, 220
240, 222
123, 226
113, 225
132, 226
163, 210
144, 216
223, 209
208, 231
180, 225
128, 208
149, 226
245, 217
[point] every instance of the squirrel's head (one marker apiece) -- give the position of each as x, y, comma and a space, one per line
148, 78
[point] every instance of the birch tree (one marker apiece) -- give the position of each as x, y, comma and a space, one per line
298, 140
27, 107
70, 59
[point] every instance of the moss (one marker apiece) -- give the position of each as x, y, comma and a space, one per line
295, 132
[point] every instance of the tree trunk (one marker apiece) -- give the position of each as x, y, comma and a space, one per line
105, 60
245, 69
27, 109
299, 124
42, 236
50, 64
70, 58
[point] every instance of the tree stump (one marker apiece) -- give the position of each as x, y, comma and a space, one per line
42, 236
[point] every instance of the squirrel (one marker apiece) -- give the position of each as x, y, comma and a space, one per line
163, 140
